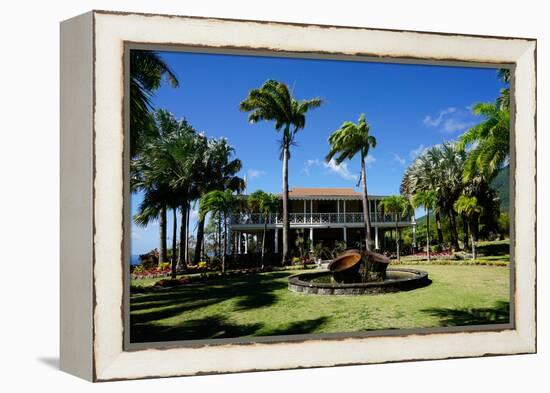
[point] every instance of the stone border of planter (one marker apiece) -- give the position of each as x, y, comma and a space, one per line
418, 279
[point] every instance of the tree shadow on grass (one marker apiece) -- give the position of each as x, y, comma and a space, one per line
196, 329
169, 309
148, 309
500, 313
298, 327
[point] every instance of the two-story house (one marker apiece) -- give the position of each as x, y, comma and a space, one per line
325, 214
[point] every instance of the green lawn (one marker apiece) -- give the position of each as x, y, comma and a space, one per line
261, 305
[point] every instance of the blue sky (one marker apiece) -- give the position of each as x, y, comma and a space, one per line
409, 108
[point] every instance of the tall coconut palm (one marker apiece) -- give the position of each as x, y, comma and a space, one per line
449, 160
345, 143
218, 171
426, 199
399, 207
423, 175
264, 203
273, 101
145, 177
147, 71
221, 203
468, 206
166, 162
489, 141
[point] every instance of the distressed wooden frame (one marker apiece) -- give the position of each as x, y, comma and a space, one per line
93, 193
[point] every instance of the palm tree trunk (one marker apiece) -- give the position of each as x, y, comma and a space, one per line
186, 255
397, 237
224, 242
198, 246
438, 226
365, 205
428, 233
163, 252
465, 230
182, 262
219, 234
174, 244
285, 202
454, 232
473, 244
263, 240
474, 226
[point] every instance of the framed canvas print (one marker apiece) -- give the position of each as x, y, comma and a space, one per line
245, 195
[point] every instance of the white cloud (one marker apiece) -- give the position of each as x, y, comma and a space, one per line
254, 174
308, 164
370, 160
398, 158
450, 120
416, 152
436, 121
451, 125
341, 170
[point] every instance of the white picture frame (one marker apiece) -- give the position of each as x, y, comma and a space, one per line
93, 193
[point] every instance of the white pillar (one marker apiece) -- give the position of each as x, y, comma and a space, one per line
376, 245
414, 236
311, 239
346, 235
276, 240
305, 208
338, 210
239, 243
246, 243
311, 210
375, 211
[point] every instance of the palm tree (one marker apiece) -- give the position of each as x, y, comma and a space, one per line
220, 203
218, 171
448, 160
273, 101
503, 100
345, 143
423, 175
468, 206
426, 199
166, 163
400, 207
265, 203
147, 71
490, 141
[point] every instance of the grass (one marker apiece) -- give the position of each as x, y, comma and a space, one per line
261, 305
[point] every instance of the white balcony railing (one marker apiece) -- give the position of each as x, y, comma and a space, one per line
312, 218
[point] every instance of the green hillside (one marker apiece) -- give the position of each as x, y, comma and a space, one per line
501, 184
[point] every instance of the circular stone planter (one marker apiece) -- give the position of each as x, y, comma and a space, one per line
318, 283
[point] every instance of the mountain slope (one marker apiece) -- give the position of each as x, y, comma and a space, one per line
501, 184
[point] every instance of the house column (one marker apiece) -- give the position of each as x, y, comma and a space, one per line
338, 210
414, 236
375, 211
346, 235
311, 211
246, 243
376, 244
239, 244
276, 240
311, 239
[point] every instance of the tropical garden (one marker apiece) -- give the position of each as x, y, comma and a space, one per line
196, 286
